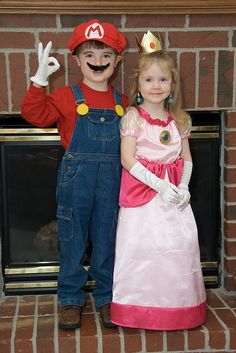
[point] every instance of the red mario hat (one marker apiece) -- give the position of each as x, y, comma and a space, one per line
100, 31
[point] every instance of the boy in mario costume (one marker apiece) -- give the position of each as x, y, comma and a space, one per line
87, 116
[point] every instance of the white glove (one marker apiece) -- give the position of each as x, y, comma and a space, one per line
168, 191
183, 185
45, 69
185, 195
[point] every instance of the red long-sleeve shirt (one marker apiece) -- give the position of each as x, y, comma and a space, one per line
59, 107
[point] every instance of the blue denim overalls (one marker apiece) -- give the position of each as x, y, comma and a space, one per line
87, 196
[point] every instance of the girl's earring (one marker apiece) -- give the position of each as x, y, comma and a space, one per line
139, 99
170, 100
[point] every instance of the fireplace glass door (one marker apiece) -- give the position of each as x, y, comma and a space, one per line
29, 162
29, 203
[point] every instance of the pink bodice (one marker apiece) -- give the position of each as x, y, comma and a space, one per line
147, 132
161, 159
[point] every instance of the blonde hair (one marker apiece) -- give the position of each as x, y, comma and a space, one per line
164, 59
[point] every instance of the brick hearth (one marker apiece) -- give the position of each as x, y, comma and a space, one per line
30, 324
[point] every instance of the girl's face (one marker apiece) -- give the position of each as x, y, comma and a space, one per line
155, 83
97, 65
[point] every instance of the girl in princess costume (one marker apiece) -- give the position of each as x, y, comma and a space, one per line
158, 282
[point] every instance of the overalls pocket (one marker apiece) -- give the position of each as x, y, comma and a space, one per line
103, 128
70, 170
65, 223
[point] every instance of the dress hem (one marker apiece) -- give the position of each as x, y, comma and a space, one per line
156, 318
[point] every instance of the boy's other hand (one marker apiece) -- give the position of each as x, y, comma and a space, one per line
47, 65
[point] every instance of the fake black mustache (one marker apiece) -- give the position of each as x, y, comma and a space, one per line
98, 68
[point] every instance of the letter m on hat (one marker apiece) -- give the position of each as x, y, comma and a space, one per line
94, 31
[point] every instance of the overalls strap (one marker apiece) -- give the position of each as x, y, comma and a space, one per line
118, 97
78, 95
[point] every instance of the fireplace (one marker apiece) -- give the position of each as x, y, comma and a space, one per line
29, 161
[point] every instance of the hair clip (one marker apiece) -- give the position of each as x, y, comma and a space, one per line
149, 43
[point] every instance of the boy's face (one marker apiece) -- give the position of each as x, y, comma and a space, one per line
97, 65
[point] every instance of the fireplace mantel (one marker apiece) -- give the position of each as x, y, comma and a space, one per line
119, 7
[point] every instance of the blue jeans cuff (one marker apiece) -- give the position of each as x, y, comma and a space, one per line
102, 301
66, 302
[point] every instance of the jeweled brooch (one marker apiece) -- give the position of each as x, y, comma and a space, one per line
165, 137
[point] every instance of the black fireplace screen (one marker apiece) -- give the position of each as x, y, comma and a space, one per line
29, 202
29, 163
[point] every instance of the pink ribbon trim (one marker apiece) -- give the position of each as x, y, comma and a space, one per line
156, 318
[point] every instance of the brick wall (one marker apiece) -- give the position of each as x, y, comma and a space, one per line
204, 47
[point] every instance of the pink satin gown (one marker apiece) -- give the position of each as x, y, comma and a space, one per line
158, 282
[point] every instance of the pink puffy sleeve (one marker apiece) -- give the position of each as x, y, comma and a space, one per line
130, 123
187, 132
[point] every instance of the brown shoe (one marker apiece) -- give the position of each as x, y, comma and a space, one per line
70, 317
105, 314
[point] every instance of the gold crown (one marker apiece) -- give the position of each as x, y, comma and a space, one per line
149, 43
